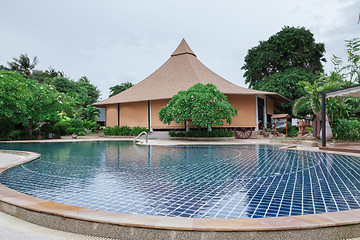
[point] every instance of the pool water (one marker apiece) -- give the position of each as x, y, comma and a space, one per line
244, 181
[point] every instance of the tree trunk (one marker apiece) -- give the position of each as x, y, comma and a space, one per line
29, 129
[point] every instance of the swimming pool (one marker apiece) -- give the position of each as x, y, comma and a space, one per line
249, 181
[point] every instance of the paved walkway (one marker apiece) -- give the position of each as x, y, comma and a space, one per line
17, 229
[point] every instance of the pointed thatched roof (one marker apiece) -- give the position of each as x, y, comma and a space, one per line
180, 72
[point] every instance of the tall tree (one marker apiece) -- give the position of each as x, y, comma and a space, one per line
23, 64
119, 88
84, 93
289, 48
283, 60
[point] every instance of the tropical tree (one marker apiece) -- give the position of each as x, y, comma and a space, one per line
285, 83
339, 109
51, 73
26, 103
290, 48
286, 58
23, 64
119, 88
88, 92
84, 93
336, 107
84, 79
205, 105
350, 70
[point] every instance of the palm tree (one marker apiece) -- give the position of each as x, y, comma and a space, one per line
312, 99
84, 79
23, 64
51, 72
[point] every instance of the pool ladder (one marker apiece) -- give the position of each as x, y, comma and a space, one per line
142, 133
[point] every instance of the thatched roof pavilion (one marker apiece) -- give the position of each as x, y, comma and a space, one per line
180, 72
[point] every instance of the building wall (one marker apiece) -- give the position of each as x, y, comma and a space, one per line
134, 114
112, 115
156, 105
269, 106
246, 106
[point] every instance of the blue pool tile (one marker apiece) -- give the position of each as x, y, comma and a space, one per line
189, 181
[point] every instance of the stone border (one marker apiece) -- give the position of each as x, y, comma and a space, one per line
344, 224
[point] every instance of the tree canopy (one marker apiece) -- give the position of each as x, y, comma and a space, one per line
26, 103
205, 105
290, 48
286, 58
41, 102
119, 88
82, 91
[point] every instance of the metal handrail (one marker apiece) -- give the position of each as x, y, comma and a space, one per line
146, 136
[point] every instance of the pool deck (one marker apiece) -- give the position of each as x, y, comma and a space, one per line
334, 225
343, 147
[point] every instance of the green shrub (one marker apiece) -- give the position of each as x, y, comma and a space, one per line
109, 131
123, 131
137, 130
309, 129
174, 133
47, 128
90, 125
72, 130
76, 123
344, 129
291, 130
62, 127
17, 135
203, 134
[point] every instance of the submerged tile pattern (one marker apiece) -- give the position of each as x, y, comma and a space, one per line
189, 181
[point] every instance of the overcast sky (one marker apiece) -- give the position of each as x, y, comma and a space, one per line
114, 41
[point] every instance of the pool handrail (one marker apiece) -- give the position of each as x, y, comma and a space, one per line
140, 134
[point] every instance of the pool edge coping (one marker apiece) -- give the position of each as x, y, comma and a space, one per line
311, 221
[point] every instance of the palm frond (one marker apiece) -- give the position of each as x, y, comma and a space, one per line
301, 102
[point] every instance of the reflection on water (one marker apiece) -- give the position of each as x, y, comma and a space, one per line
186, 181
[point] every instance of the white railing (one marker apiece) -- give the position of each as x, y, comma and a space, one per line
142, 133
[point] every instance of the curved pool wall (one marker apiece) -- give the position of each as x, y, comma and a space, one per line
88, 216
